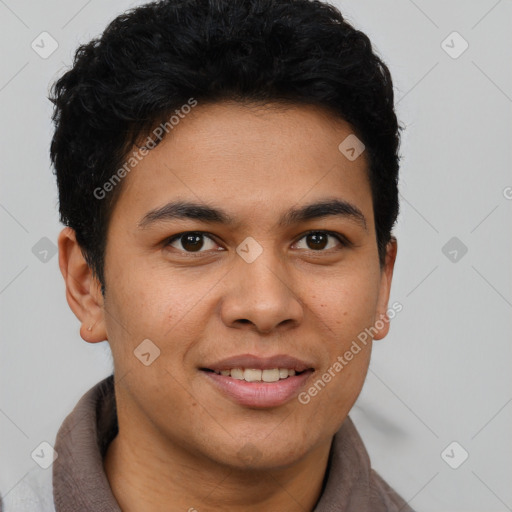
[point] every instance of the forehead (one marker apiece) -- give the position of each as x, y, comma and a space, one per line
252, 161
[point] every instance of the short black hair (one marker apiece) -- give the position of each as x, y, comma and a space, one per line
153, 59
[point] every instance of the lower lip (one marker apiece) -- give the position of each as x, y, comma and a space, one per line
259, 394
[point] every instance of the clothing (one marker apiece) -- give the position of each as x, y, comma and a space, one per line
77, 481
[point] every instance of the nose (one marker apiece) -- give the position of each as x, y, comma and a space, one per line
260, 296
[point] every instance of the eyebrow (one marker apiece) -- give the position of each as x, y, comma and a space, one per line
204, 213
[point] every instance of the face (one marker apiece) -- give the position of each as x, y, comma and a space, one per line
244, 302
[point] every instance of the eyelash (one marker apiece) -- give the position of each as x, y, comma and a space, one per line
341, 239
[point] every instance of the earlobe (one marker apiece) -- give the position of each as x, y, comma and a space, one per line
83, 291
382, 320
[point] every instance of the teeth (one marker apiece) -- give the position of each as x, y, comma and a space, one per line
283, 373
270, 375
237, 373
253, 375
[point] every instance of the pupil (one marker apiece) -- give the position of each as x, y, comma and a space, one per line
316, 238
195, 242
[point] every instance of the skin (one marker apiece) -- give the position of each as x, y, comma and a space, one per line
176, 429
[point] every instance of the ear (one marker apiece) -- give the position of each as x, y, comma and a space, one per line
381, 322
83, 290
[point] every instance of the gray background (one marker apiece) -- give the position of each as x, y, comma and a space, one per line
443, 372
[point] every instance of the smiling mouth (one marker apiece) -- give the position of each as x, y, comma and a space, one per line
256, 375
267, 387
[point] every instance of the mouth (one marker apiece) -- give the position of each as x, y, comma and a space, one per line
258, 382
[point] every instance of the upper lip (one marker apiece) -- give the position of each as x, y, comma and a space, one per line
260, 363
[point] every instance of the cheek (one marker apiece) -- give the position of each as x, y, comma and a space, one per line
346, 308
346, 304
345, 354
144, 302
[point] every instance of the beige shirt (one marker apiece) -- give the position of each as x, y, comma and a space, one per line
78, 481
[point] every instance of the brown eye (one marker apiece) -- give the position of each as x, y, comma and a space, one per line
190, 242
319, 240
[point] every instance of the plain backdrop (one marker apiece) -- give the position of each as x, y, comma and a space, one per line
443, 373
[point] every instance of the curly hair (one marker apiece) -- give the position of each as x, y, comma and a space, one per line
152, 59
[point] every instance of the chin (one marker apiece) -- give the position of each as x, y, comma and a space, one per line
263, 454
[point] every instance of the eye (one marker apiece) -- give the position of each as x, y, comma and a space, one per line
195, 241
319, 240
191, 241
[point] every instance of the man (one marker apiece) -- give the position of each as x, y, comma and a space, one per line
227, 175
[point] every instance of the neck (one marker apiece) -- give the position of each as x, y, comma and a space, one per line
153, 476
